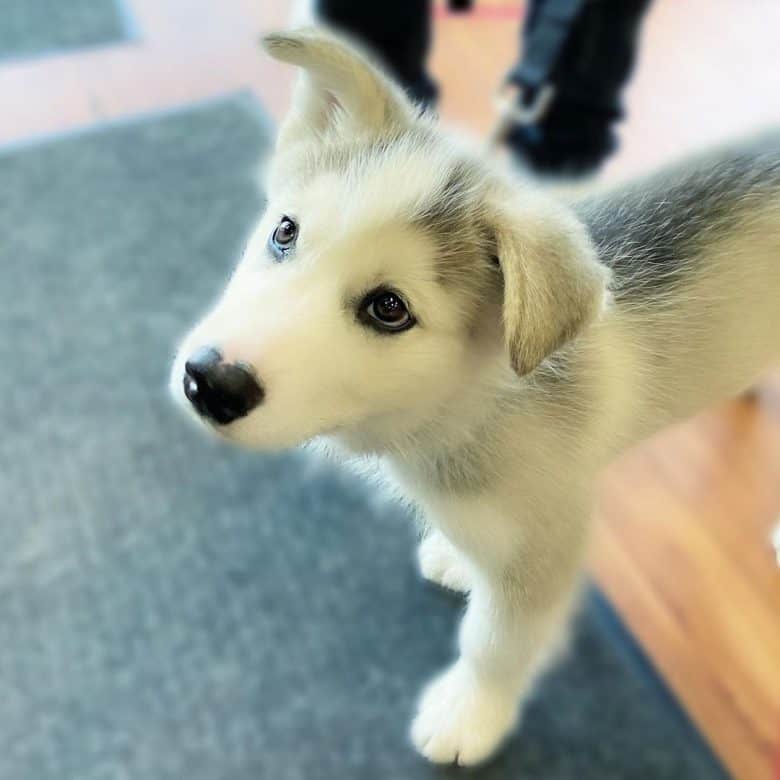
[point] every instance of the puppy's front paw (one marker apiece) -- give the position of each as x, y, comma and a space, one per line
442, 564
461, 720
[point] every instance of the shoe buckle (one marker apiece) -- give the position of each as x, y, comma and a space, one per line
512, 108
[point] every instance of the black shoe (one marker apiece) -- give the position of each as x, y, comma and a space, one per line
574, 148
423, 92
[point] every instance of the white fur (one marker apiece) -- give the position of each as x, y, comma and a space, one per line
441, 563
498, 452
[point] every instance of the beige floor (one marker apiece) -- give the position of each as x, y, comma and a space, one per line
682, 545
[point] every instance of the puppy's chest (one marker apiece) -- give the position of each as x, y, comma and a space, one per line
465, 470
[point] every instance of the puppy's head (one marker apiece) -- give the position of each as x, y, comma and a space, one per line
389, 272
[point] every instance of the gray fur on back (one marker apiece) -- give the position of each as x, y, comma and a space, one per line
652, 231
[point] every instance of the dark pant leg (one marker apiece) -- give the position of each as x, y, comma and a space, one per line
399, 31
578, 131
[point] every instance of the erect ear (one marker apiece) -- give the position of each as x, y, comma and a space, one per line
554, 284
338, 84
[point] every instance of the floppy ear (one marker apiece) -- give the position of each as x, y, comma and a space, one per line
337, 84
554, 284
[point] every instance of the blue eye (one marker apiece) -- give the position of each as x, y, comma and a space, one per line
283, 238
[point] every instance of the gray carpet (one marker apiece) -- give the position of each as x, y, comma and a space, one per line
171, 609
33, 27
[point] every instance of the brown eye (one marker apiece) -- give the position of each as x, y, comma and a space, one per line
385, 310
283, 238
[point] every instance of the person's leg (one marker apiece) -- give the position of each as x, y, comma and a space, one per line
399, 32
577, 132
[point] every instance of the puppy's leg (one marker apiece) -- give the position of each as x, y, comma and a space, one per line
517, 610
441, 563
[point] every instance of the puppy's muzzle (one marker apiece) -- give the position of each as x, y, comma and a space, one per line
220, 391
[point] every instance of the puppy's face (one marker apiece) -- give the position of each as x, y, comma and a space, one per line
343, 308
370, 294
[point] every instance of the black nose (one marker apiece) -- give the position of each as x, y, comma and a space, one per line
223, 392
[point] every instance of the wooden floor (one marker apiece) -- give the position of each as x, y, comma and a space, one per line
683, 521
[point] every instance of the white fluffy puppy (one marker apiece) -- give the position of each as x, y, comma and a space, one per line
492, 349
